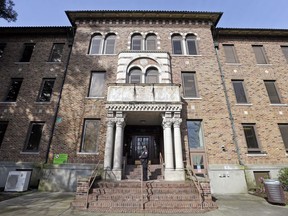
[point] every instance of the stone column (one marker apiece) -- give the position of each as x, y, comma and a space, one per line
168, 144
108, 156
118, 148
178, 145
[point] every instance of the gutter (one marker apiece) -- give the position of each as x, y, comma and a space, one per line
235, 140
70, 36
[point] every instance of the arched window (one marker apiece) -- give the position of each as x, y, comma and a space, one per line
151, 42
152, 75
135, 75
109, 47
177, 44
136, 42
191, 46
96, 44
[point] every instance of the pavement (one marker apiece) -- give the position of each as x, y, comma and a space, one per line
58, 204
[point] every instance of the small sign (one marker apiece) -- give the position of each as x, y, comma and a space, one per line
60, 158
58, 120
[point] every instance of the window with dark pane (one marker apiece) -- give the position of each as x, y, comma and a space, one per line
90, 137
2, 47
230, 53
110, 44
135, 75
27, 52
285, 52
177, 45
56, 52
284, 133
259, 54
195, 136
189, 85
250, 136
3, 127
136, 42
13, 90
151, 42
239, 91
96, 44
97, 84
191, 45
46, 90
272, 92
152, 75
34, 137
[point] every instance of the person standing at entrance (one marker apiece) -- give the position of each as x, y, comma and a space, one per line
144, 161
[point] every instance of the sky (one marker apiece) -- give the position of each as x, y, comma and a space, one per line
236, 13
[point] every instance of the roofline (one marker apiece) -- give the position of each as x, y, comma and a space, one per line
34, 29
214, 17
251, 32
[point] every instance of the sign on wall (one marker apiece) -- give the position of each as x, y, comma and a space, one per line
60, 158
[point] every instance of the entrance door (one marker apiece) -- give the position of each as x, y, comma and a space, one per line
136, 137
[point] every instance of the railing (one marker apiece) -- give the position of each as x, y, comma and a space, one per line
162, 165
195, 181
91, 181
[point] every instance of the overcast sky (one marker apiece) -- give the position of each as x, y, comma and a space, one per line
236, 13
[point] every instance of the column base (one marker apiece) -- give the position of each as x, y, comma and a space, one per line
174, 175
115, 175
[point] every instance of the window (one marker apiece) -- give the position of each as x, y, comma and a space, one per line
195, 135
272, 92
3, 127
239, 91
230, 53
136, 42
56, 52
46, 90
96, 44
2, 47
27, 53
13, 90
109, 47
191, 45
151, 42
135, 75
177, 45
259, 54
90, 138
189, 85
152, 75
250, 136
34, 137
97, 84
285, 52
284, 133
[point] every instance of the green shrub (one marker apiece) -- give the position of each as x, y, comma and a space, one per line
283, 177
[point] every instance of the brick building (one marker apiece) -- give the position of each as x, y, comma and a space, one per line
195, 95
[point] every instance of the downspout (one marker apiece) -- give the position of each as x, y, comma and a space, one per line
70, 36
235, 141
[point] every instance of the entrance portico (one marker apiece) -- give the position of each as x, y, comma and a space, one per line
139, 114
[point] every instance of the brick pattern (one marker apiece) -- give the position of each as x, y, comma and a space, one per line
158, 197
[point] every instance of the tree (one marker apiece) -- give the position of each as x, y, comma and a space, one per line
6, 10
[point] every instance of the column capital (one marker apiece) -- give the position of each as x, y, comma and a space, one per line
167, 123
110, 122
120, 122
177, 122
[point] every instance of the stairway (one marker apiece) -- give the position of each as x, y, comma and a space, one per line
158, 197
133, 172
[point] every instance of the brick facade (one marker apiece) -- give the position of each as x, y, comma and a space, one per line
226, 157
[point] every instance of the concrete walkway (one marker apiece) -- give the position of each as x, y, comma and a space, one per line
56, 204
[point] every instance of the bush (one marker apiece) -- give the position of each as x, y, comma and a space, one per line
283, 177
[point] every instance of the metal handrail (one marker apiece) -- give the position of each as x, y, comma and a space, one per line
197, 184
162, 164
93, 177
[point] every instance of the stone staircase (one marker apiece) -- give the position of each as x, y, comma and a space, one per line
153, 196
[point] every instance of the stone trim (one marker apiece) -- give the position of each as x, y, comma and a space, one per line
144, 107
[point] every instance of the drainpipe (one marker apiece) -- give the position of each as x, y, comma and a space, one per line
70, 36
216, 46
